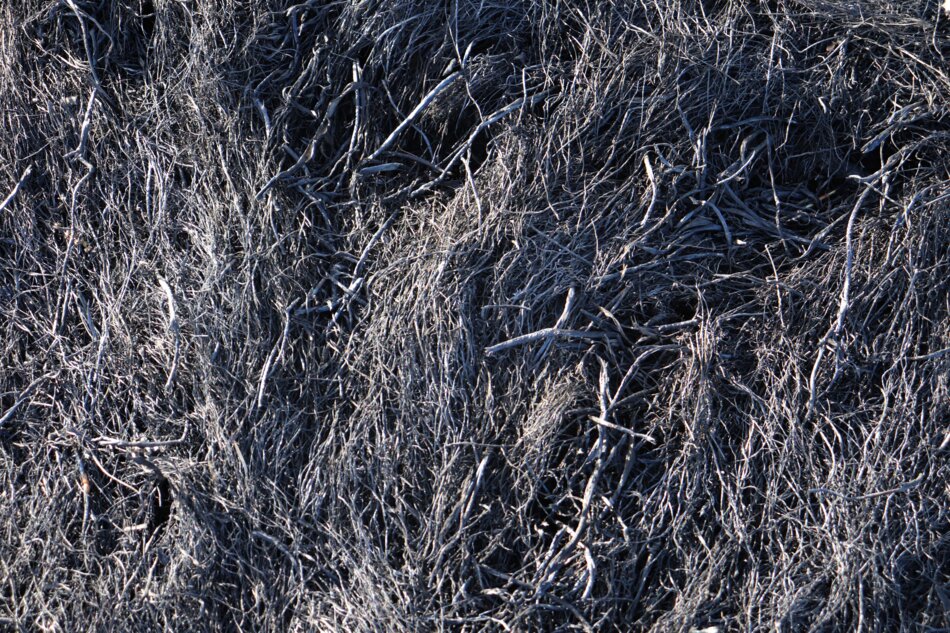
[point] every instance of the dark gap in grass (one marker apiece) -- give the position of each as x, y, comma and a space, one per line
162, 501
148, 16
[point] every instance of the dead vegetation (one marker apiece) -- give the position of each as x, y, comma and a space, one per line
476, 316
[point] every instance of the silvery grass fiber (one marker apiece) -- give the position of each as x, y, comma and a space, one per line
474, 315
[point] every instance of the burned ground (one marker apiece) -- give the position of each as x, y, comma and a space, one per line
515, 315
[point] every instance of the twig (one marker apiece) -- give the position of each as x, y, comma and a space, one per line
653, 191
173, 328
907, 487
931, 355
16, 188
616, 427
541, 335
23, 397
456, 155
422, 105
275, 354
560, 323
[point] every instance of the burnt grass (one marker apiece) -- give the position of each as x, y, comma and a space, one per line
474, 315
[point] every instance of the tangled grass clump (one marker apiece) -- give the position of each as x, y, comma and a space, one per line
518, 315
